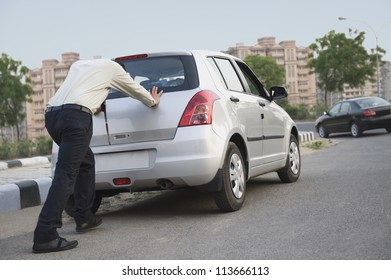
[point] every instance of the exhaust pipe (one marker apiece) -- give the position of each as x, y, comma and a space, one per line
165, 184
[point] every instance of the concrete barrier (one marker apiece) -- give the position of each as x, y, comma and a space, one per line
9, 198
24, 162
306, 136
23, 194
3, 165
34, 161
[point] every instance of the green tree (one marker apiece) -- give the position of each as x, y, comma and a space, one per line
267, 70
338, 60
14, 92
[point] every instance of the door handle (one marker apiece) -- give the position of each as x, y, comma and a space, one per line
234, 99
261, 104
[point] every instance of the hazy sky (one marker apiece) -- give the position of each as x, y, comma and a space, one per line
34, 30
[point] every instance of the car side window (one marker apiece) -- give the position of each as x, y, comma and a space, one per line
345, 108
254, 84
227, 74
334, 110
214, 66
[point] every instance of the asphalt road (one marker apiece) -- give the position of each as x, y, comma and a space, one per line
339, 209
307, 126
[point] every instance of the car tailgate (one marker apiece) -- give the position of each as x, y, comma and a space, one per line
99, 137
130, 121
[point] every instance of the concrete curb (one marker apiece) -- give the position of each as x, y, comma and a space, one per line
306, 136
24, 162
23, 194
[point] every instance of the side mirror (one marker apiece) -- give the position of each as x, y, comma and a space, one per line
278, 92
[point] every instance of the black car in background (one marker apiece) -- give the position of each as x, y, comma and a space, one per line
355, 116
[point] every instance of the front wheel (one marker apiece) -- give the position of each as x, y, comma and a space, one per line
322, 132
291, 172
231, 197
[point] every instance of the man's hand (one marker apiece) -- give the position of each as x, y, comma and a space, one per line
156, 95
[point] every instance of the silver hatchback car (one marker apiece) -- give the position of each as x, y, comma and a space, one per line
215, 128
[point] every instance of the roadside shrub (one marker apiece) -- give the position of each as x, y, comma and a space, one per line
7, 150
43, 146
318, 110
25, 148
297, 112
302, 111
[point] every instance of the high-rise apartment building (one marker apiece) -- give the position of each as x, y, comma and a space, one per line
299, 81
45, 81
368, 89
386, 80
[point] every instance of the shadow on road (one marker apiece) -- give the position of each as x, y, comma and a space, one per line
177, 202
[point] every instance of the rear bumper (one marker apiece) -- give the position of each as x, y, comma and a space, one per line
192, 158
374, 123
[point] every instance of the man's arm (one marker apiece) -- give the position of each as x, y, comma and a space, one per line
123, 82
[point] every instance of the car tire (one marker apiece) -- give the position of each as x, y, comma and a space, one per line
322, 132
94, 208
355, 130
291, 172
231, 197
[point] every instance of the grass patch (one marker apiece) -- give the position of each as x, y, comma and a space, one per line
316, 145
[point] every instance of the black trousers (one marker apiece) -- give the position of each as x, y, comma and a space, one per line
71, 129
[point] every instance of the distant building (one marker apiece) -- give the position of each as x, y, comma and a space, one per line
385, 74
45, 81
300, 82
369, 88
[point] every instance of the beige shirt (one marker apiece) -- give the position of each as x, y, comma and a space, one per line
89, 81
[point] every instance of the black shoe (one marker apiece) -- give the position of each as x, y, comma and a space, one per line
58, 244
93, 222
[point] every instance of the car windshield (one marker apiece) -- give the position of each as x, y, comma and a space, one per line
371, 102
168, 73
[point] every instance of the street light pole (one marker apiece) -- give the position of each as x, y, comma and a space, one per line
377, 53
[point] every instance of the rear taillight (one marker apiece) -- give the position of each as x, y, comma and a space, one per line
121, 181
129, 57
369, 113
199, 110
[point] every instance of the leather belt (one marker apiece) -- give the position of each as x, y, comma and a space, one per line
69, 106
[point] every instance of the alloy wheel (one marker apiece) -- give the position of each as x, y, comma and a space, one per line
294, 158
236, 171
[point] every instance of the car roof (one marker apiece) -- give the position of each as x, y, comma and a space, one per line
356, 99
361, 98
181, 52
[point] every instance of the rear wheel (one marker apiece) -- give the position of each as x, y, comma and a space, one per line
355, 130
231, 197
94, 208
291, 172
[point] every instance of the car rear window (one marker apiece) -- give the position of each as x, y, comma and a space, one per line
371, 102
168, 73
